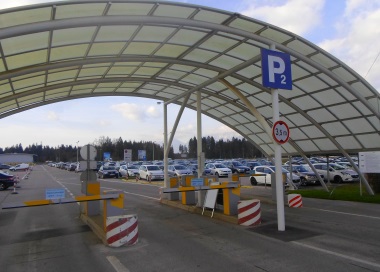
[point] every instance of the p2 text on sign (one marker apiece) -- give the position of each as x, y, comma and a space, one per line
276, 69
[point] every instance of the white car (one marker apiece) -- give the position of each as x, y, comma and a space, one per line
219, 169
151, 172
337, 173
266, 171
19, 167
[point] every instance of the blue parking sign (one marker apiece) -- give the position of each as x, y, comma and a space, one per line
276, 69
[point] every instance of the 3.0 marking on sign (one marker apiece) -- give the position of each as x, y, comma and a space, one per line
280, 132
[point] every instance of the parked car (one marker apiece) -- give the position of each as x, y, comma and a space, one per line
252, 164
71, 167
218, 169
19, 167
307, 176
78, 168
179, 170
6, 180
128, 171
108, 172
194, 168
337, 173
151, 172
98, 165
267, 172
4, 166
237, 167
170, 173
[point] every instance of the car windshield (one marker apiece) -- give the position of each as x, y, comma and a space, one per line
237, 163
132, 167
337, 167
301, 168
283, 169
109, 168
219, 165
180, 167
153, 167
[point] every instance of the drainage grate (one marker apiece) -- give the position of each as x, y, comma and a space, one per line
290, 233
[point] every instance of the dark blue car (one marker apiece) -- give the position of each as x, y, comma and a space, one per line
6, 180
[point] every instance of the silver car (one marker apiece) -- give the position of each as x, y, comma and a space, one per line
151, 172
180, 170
128, 171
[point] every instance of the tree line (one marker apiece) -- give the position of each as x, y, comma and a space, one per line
220, 149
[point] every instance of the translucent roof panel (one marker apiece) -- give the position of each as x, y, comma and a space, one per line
166, 50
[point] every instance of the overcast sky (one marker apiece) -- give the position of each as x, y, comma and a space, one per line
347, 29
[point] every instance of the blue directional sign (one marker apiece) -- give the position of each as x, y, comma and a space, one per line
197, 182
55, 193
276, 69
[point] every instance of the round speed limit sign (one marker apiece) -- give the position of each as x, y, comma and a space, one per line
280, 132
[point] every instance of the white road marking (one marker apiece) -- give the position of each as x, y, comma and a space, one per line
351, 214
338, 254
117, 265
133, 193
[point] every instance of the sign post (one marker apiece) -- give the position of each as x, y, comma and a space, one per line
277, 74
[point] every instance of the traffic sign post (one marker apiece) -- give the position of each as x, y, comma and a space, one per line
277, 74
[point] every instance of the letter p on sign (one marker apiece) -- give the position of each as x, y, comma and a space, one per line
276, 69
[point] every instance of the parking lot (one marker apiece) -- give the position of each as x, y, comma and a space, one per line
342, 234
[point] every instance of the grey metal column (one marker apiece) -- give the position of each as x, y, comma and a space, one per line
166, 148
201, 194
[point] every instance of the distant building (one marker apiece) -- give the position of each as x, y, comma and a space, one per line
15, 158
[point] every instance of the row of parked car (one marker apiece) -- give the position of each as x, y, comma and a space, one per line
301, 173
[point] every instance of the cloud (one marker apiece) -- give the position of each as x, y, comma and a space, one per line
136, 112
52, 116
358, 38
297, 16
104, 123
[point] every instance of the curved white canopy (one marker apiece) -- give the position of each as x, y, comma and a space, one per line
167, 51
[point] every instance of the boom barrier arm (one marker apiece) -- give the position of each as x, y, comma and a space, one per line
42, 202
199, 188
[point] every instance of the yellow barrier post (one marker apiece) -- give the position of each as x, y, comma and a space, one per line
112, 207
187, 197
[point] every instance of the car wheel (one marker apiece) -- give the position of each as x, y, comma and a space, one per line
2, 187
338, 179
253, 181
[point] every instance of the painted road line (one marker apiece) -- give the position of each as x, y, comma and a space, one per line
116, 264
351, 258
350, 214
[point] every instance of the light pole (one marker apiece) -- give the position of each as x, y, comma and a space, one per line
77, 153
153, 150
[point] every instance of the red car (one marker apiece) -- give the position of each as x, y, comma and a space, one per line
6, 180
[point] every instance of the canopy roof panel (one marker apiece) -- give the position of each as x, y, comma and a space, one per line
167, 51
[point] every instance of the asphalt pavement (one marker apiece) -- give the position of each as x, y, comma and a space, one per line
323, 235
